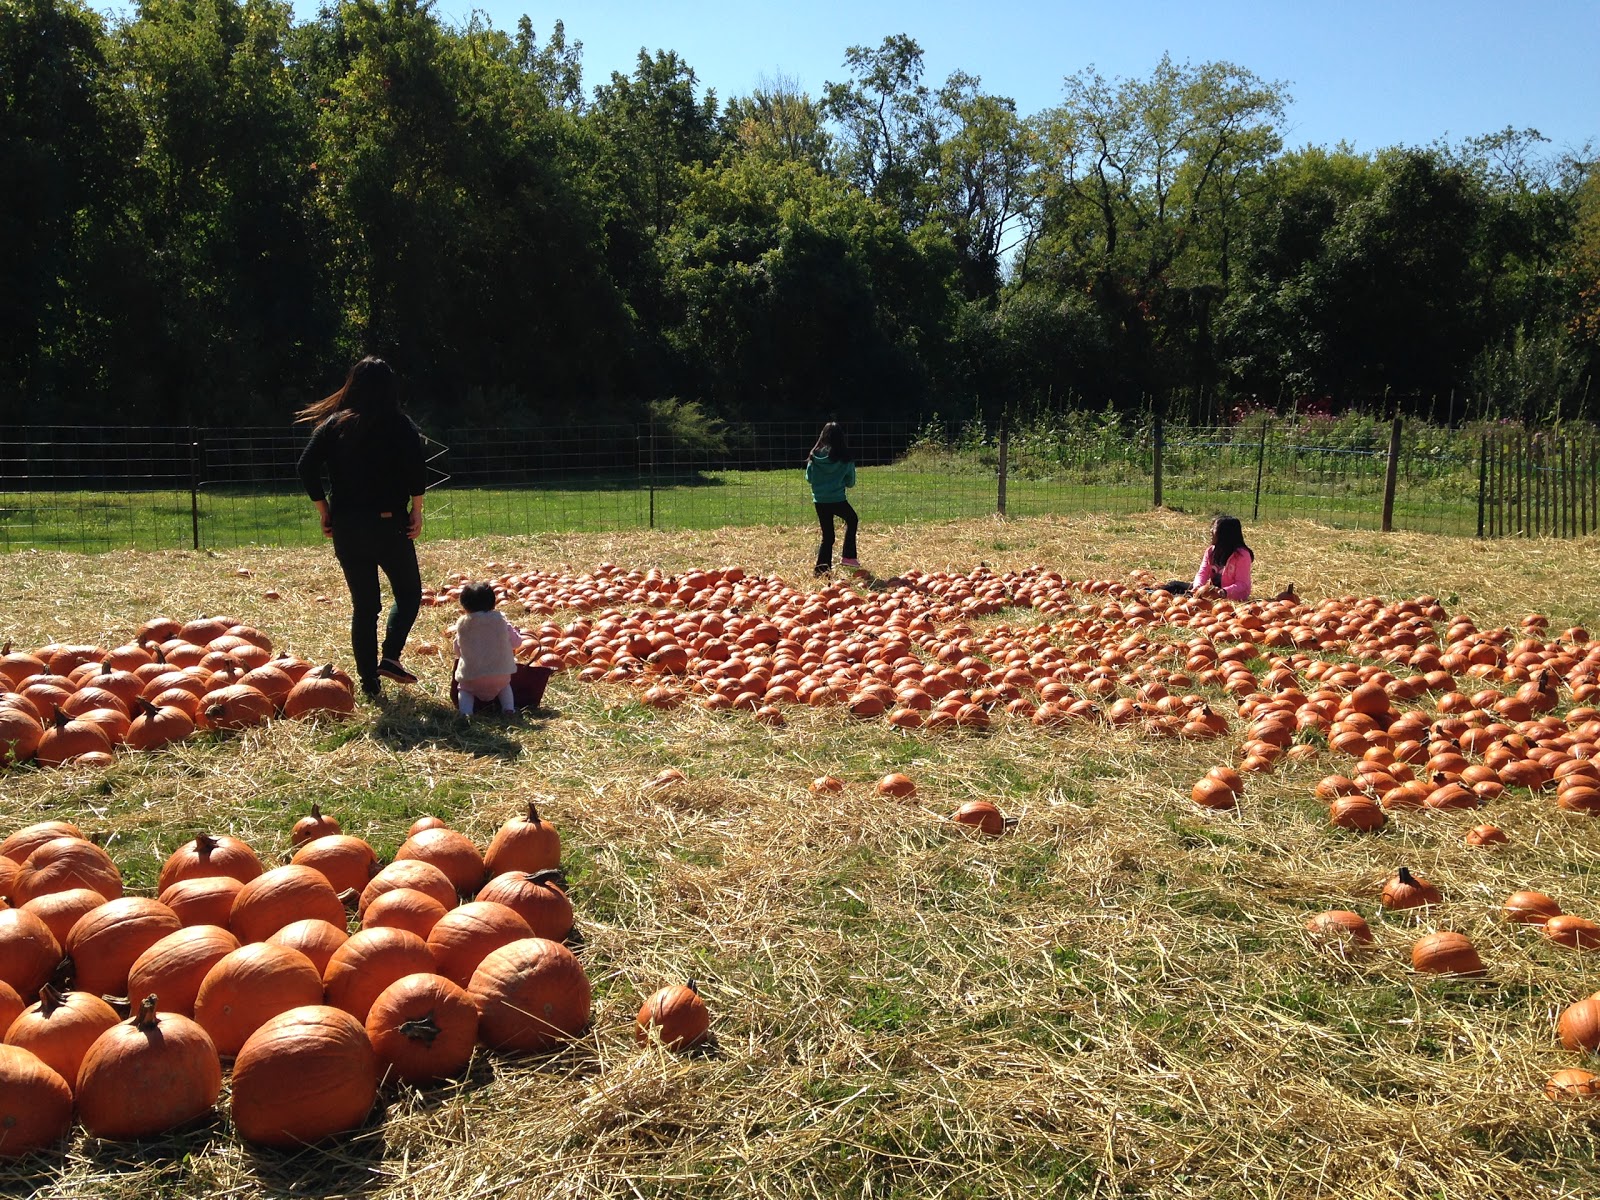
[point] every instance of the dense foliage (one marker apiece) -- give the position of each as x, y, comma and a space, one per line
211, 208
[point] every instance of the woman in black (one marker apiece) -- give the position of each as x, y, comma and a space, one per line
371, 455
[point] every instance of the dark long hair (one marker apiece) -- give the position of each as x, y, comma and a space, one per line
832, 440
371, 389
1227, 537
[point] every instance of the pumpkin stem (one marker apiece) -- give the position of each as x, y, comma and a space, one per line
61, 719
145, 1018
204, 844
1404, 876
533, 814
690, 984
146, 709
50, 999
421, 1029
549, 875
316, 811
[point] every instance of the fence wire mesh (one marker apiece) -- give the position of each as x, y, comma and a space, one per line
110, 488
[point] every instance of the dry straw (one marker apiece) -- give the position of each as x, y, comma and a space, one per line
1115, 1000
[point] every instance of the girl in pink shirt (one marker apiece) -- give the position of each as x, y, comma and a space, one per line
1225, 565
486, 645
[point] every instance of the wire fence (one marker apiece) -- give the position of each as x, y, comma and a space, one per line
104, 488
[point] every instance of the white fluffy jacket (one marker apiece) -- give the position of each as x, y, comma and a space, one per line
485, 644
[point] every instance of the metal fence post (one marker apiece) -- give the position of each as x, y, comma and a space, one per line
1483, 478
1390, 475
194, 484
652, 469
1000, 484
1157, 445
1261, 460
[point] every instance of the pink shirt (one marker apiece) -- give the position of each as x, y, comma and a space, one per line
1235, 581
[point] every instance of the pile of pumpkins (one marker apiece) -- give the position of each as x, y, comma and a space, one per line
233, 961
76, 705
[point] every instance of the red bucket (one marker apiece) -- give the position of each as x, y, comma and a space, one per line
527, 685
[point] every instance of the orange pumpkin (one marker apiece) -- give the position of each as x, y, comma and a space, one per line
176, 966
29, 952
304, 1075
348, 863
452, 852
284, 894
423, 1027
207, 857
35, 1104
147, 1075
204, 901
248, 987
404, 908
312, 826
60, 1027
676, 1014
532, 995
105, 942
409, 873
536, 897
369, 962
64, 863
62, 910
1446, 954
314, 938
464, 936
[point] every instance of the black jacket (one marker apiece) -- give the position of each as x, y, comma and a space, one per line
373, 464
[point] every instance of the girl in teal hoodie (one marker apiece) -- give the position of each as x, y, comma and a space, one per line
830, 469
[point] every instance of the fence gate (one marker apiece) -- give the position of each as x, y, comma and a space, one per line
1538, 483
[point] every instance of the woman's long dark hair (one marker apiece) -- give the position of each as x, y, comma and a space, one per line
370, 389
1227, 537
832, 440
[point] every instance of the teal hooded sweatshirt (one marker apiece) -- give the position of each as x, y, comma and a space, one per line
829, 479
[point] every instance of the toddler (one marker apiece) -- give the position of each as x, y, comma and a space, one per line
486, 645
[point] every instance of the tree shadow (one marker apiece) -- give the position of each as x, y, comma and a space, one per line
409, 720
347, 1164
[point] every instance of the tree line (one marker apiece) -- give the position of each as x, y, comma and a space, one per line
212, 208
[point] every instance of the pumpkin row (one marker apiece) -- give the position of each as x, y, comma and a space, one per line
235, 961
74, 704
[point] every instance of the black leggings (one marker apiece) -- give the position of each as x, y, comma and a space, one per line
825, 515
364, 546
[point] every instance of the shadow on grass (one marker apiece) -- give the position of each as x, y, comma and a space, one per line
409, 720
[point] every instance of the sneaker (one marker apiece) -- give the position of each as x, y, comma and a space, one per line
391, 669
372, 689
849, 562
819, 571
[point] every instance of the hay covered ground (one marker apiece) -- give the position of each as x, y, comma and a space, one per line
1116, 1000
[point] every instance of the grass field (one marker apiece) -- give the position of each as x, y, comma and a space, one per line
1114, 1001
925, 487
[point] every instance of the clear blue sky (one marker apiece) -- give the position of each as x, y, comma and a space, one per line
1373, 73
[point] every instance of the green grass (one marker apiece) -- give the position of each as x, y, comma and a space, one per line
924, 488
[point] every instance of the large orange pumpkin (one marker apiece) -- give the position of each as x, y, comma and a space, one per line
207, 901
409, 873
536, 897
404, 908
452, 852
464, 936
63, 863
176, 966
29, 838
532, 995
524, 843
423, 1027
35, 1104
314, 938
369, 962
284, 894
147, 1075
348, 863
248, 987
207, 857
105, 942
29, 952
62, 910
305, 1075
61, 1027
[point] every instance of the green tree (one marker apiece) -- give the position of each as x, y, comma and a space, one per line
890, 126
71, 257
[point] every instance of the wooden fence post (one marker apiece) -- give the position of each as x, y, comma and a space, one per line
1391, 475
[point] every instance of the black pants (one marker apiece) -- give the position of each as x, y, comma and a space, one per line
825, 515
365, 545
